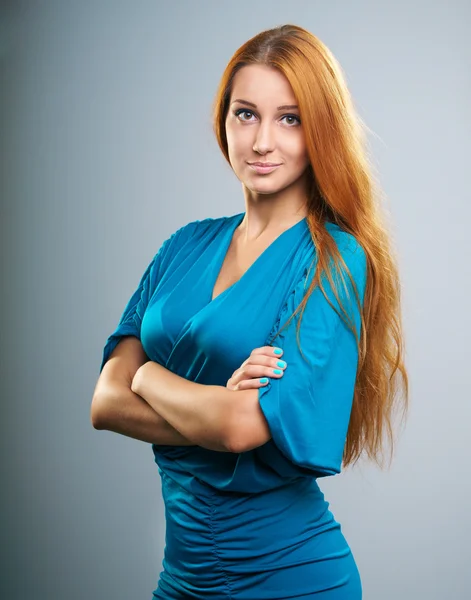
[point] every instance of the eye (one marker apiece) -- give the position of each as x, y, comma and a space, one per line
295, 118
243, 111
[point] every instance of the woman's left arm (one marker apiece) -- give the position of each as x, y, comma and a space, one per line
209, 415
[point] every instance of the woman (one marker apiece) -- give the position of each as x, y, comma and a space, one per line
194, 366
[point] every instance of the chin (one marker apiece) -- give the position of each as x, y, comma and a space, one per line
263, 190
265, 187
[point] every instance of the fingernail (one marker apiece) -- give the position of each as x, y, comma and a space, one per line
264, 380
278, 351
277, 371
281, 363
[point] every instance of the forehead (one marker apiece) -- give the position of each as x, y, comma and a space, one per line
262, 85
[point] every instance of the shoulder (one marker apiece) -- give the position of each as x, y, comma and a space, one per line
190, 236
349, 247
193, 228
200, 226
201, 230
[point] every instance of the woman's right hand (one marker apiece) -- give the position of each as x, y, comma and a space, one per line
254, 372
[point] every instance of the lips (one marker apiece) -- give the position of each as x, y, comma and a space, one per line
263, 168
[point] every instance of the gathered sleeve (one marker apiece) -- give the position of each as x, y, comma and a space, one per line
131, 319
308, 408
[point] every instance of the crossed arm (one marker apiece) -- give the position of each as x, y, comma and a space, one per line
144, 400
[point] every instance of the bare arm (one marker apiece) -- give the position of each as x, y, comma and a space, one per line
210, 415
125, 412
115, 407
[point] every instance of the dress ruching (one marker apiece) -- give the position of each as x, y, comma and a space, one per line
254, 525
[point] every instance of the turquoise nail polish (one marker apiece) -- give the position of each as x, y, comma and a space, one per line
277, 351
264, 380
277, 371
281, 363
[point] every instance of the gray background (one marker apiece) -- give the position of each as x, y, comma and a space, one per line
107, 149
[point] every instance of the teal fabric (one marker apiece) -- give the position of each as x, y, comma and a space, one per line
253, 525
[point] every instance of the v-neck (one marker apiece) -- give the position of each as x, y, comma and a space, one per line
224, 249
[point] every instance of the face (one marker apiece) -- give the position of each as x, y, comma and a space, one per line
263, 125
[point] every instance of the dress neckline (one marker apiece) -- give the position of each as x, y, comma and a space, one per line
224, 248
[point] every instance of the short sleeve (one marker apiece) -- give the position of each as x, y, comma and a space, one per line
308, 408
131, 318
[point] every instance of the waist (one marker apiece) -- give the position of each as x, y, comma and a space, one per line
284, 526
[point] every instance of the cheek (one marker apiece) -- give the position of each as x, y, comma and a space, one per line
237, 145
297, 151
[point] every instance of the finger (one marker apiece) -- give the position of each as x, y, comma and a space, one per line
253, 372
263, 351
248, 384
265, 361
248, 372
272, 351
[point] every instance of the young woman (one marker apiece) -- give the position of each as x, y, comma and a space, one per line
262, 351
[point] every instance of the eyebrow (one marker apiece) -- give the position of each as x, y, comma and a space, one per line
283, 107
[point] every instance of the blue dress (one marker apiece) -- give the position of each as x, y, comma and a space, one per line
255, 525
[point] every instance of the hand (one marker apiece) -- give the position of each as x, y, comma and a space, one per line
261, 363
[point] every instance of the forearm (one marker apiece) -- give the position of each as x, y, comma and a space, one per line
201, 413
123, 411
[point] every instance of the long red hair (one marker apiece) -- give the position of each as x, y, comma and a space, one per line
341, 189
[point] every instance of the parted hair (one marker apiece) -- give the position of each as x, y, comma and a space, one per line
341, 189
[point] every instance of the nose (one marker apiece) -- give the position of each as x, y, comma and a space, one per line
264, 139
